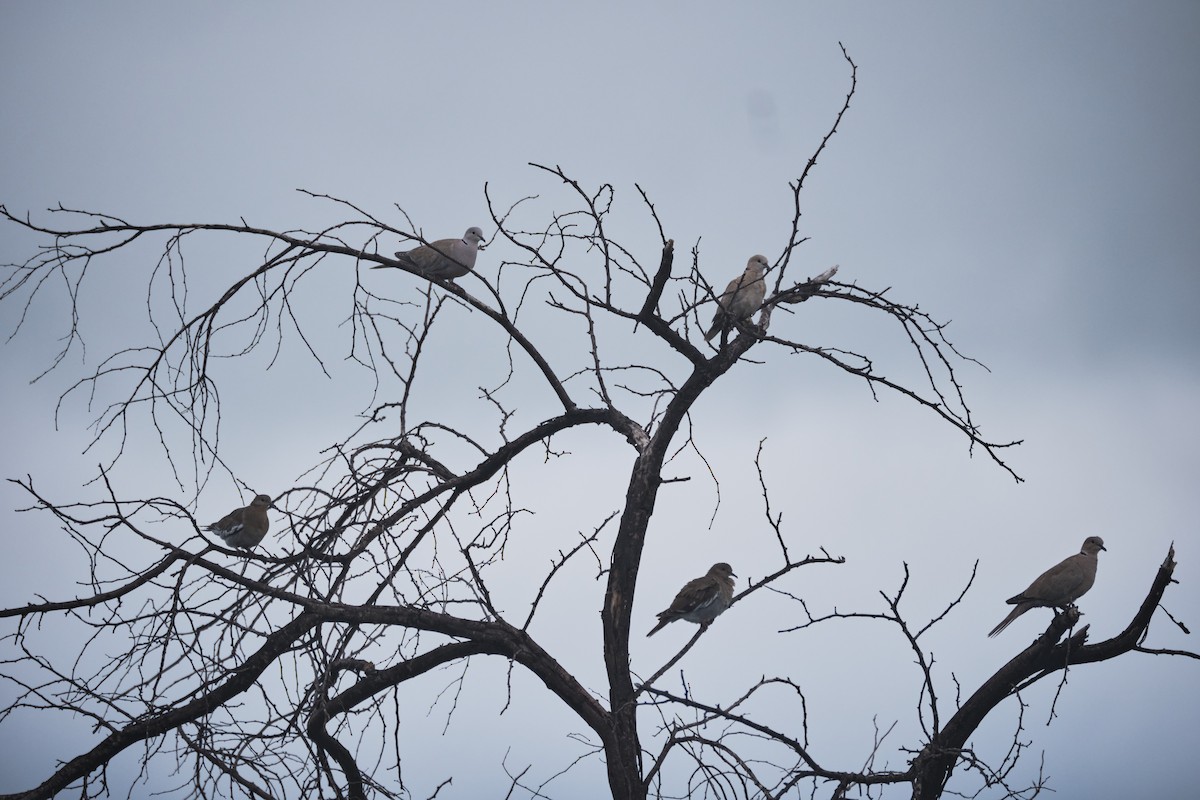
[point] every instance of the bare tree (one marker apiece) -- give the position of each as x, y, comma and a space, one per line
277, 675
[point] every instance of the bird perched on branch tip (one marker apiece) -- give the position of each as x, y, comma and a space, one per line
742, 297
702, 599
1060, 586
244, 527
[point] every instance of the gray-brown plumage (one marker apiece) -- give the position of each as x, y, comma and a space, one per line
445, 258
1060, 586
244, 527
742, 297
702, 599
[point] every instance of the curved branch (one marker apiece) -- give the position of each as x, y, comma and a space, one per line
242, 678
934, 764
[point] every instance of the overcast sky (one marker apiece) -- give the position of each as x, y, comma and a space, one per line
1028, 170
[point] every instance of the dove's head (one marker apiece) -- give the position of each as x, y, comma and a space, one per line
262, 501
473, 235
758, 263
1093, 545
721, 570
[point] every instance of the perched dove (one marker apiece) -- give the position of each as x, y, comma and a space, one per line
244, 527
445, 258
1060, 586
701, 600
741, 298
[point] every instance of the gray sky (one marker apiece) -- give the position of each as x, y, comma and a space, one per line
1028, 170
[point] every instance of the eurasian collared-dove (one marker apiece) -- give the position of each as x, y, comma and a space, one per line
244, 527
1060, 586
741, 298
445, 258
702, 599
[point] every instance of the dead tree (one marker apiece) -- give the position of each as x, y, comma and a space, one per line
275, 672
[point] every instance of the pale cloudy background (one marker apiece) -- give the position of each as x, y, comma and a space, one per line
1028, 170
